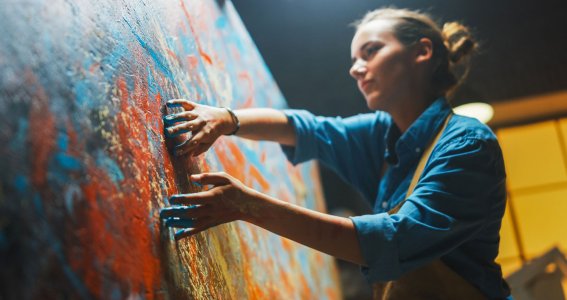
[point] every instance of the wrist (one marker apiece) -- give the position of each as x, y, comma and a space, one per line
255, 202
232, 120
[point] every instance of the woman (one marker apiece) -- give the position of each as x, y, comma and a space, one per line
433, 238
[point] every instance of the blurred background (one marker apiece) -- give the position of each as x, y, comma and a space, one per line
520, 70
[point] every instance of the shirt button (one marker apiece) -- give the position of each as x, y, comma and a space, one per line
417, 150
384, 204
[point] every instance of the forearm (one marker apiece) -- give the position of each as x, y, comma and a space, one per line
330, 234
265, 124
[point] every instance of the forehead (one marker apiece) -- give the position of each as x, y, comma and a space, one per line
376, 30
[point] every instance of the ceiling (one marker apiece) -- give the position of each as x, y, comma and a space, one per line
522, 54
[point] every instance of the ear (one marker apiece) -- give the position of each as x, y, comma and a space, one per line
423, 50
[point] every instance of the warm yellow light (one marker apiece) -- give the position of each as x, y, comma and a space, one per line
482, 111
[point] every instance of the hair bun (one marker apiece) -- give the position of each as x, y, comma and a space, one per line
458, 41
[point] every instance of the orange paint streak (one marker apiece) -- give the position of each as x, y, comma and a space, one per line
286, 284
206, 57
192, 61
245, 76
263, 157
254, 173
171, 53
41, 133
287, 245
235, 164
94, 67
239, 158
252, 287
203, 54
116, 232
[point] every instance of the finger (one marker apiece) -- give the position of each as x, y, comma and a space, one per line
219, 178
178, 117
193, 198
186, 147
184, 127
199, 225
199, 136
191, 212
179, 223
175, 211
185, 104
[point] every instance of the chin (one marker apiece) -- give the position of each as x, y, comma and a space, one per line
373, 102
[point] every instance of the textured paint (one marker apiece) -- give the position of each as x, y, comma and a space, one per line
85, 166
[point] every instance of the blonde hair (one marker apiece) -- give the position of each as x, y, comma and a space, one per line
452, 45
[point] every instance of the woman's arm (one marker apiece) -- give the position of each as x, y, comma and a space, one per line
230, 200
265, 124
208, 123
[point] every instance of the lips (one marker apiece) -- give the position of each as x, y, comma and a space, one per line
364, 84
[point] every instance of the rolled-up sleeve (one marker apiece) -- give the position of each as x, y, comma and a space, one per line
461, 190
353, 147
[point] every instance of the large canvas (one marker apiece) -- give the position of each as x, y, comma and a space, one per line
85, 167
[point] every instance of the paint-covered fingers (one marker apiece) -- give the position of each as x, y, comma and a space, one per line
199, 198
199, 225
184, 127
179, 117
195, 145
188, 217
207, 123
184, 212
185, 104
179, 223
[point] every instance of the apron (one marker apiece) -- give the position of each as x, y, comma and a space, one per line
433, 281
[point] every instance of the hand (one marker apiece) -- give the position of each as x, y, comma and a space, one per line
207, 124
229, 200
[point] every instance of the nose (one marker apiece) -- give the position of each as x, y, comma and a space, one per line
358, 69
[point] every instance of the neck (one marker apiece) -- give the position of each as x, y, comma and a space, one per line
406, 114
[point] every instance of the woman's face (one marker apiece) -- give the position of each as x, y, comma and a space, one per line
382, 65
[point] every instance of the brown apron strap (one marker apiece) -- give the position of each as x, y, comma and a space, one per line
421, 165
434, 280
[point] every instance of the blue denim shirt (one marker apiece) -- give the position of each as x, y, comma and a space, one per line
455, 210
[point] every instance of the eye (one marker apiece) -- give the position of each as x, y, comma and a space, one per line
371, 50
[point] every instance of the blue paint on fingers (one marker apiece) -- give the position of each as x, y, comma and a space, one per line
179, 223
173, 104
175, 211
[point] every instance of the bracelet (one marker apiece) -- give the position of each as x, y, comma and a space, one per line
234, 120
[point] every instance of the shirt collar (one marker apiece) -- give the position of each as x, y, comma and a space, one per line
412, 143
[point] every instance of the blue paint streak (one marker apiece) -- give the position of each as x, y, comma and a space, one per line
153, 87
21, 183
82, 93
110, 166
38, 204
116, 294
221, 22
63, 141
158, 59
68, 162
119, 51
